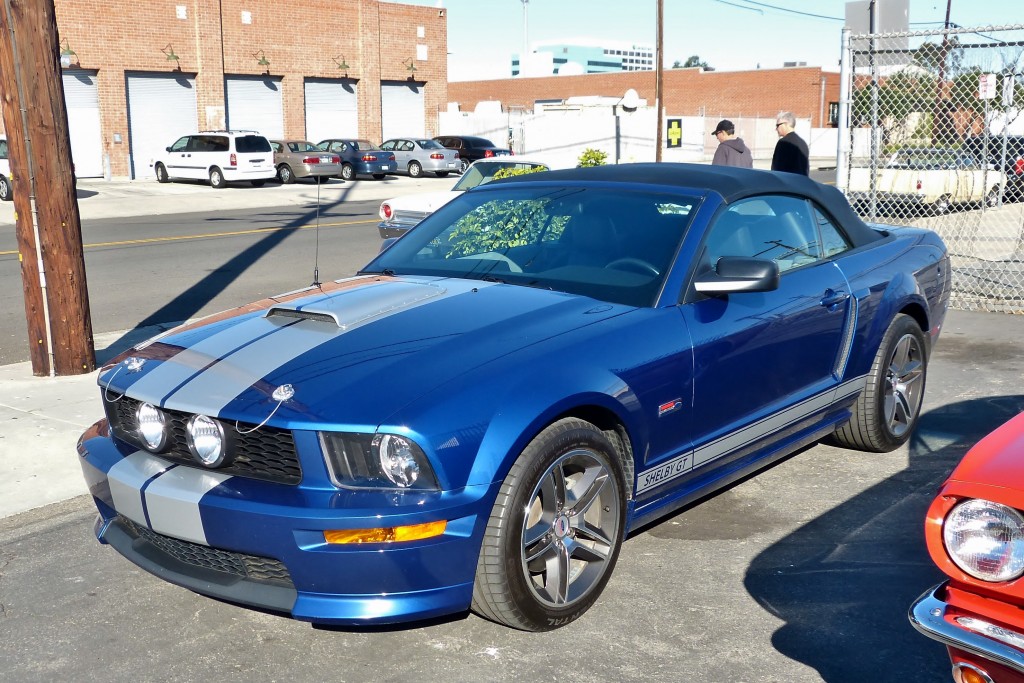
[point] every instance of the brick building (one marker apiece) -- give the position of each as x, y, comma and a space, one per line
809, 92
142, 74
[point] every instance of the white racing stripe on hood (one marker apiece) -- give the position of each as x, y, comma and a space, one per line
173, 502
212, 389
126, 480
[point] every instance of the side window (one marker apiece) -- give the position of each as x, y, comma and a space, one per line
277, 146
3, 149
770, 227
388, 146
181, 144
832, 241
217, 143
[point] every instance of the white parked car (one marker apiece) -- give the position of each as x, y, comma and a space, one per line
6, 194
220, 156
401, 213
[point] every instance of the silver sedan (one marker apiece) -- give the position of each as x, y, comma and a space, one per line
301, 159
418, 155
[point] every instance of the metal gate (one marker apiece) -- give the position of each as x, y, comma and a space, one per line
161, 108
932, 134
83, 105
401, 109
254, 103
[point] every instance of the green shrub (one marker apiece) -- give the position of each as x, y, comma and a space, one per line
591, 157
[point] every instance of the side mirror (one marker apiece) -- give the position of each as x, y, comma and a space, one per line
739, 274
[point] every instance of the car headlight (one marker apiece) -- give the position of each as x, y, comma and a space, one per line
985, 539
152, 426
377, 461
206, 441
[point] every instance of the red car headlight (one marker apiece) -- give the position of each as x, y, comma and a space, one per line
985, 540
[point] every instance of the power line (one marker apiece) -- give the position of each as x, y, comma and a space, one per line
782, 9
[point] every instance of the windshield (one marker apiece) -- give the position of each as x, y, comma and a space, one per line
303, 146
611, 245
429, 144
482, 172
364, 144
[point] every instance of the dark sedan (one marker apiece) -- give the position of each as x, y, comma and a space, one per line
471, 148
360, 157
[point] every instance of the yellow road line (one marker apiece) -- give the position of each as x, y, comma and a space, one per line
152, 240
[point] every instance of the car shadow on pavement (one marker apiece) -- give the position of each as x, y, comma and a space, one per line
843, 583
192, 300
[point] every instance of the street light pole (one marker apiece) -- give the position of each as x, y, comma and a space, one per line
657, 79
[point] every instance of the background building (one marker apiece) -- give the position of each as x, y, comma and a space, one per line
583, 57
139, 75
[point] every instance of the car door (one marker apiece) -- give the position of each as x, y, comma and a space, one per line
179, 158
766, 364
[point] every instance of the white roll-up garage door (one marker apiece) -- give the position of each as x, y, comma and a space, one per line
254, 103
332, 109
83, 105
161, 108
401, 107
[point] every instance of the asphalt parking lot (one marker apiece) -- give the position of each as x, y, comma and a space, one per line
802, 573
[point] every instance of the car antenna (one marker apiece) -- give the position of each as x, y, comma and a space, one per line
316, 250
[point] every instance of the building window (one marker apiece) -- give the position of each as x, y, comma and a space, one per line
833, 114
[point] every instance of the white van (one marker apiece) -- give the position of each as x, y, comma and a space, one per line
220, 156
6, 194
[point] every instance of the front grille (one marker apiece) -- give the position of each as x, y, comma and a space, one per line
266, 453
249, 567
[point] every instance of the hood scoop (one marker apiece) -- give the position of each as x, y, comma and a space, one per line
350, 308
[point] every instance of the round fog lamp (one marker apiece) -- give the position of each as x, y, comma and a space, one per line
206, 440
985, 540
397, 460
152, 426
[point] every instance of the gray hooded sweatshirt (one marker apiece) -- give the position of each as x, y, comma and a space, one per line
733, 152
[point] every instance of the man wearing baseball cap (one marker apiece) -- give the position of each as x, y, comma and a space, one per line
731, 150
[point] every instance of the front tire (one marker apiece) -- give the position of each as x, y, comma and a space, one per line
161, 174
217, 181
6, 194
941, 206
285, 174
463, 165
415, 170
348, 172
555, 530
889, 406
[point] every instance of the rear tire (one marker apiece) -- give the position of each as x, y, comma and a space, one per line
941, 206
555, 530
463, 165
889, 406
217, 181
161, 174
992, 198
6, 194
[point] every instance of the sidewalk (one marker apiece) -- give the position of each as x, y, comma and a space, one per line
98, 198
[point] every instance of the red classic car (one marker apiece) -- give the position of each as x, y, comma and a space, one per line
975, 534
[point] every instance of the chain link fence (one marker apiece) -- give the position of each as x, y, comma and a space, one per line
932, 134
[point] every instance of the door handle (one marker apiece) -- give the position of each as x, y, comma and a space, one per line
833, 298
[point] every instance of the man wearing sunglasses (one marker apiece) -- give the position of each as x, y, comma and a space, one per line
791, 153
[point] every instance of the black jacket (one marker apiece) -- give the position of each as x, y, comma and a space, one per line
791, 155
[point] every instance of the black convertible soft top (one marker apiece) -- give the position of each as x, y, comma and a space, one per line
730, 183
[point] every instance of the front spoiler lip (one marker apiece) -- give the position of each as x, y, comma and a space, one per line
928, 615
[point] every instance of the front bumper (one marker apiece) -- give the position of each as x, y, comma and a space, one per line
938, 619
262, 544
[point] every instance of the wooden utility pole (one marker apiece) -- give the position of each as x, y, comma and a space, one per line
48, 226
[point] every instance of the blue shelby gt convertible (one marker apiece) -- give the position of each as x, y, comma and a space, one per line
479, 417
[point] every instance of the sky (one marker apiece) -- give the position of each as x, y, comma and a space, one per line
729, 35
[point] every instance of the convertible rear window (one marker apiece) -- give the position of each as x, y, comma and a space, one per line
612, 245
